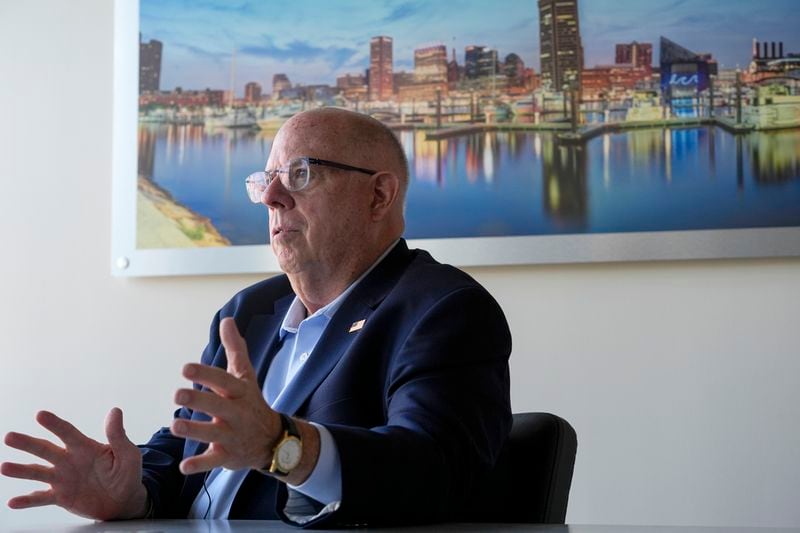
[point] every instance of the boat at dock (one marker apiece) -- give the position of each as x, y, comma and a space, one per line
273, 118
231, 117
644, 107
773, 107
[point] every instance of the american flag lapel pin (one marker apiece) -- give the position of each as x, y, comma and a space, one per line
357, 325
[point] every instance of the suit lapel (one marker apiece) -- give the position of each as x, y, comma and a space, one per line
336, 339
263, 339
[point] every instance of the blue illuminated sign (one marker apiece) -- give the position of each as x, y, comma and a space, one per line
684, 80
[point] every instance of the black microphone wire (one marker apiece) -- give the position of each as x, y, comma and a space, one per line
208, 508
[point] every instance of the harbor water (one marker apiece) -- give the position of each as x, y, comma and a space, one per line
516, 183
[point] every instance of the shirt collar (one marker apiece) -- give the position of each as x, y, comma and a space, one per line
297, 311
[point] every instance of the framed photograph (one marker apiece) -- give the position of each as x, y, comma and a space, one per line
554, 131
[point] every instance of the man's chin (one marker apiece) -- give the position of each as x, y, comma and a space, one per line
287, 259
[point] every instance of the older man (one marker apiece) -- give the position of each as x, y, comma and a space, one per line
369, 384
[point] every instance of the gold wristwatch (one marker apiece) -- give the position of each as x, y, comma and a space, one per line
287, 452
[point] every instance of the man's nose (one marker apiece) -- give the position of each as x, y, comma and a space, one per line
277, 196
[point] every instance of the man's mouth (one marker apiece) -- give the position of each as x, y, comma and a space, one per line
281, 229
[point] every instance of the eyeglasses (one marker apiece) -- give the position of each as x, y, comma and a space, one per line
294, 177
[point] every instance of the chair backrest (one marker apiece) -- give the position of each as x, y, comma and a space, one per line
533, 474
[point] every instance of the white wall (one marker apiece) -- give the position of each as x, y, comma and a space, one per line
681, 379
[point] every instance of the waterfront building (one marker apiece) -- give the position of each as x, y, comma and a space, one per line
149, 65
430, 76
402, 79
310, 93
764, 52
181, 98
425, 92
280, 83
480, 62
471, 54
407, 87
381, 86
613, 81
252, 92
560, 43
351, 81
352, 86
430, 64
532, 80
636, 54
769, 61
684, 74
488, 64
514, 69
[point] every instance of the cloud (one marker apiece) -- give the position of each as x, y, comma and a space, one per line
202, 53
403, 11
301, 51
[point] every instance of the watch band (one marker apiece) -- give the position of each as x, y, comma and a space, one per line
288, 425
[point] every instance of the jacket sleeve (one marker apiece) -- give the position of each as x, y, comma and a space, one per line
447, 416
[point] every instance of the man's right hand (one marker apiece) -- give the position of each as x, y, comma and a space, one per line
87, 478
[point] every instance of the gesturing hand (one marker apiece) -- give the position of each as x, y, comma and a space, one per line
88, 478
242, 425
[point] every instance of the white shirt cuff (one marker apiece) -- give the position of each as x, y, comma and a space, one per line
324, 484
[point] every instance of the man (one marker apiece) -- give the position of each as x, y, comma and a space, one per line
369, 384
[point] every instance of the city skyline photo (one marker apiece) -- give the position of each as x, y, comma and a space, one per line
564, 119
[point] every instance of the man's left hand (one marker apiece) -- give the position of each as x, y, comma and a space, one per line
242, 427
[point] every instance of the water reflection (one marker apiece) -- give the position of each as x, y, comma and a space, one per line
517, 183
774, 157
564, 187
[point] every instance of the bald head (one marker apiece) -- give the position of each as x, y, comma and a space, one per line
348, 137
329, 232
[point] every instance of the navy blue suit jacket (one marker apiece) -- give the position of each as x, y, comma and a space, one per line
417, 400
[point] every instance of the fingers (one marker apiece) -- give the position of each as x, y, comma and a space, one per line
216, 379
65, 431
236, 350
44, 449
45, 474
115, 432
34, 499
199, 431
205, 402
211, 458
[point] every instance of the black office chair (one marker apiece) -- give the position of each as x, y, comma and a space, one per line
531, 480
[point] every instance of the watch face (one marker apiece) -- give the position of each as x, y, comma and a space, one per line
288, 454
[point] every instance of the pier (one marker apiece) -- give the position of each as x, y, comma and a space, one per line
564, 131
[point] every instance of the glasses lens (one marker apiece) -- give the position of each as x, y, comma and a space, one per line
298, 175
256, 184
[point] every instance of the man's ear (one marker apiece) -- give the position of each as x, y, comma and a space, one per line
385, 192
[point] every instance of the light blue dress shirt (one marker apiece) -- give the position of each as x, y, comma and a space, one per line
300, 335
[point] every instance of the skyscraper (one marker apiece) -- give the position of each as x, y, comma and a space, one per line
430, 64
471, 56
560, 43
381, 85
480, 62
149, 65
